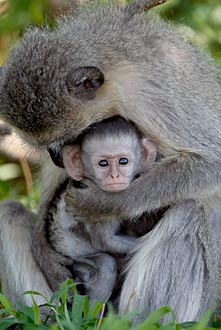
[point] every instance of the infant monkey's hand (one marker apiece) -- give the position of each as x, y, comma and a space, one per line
87, 195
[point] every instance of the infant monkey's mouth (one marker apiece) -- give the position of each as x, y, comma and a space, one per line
115, 186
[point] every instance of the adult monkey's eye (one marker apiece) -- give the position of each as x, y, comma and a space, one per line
123, 161
103, 163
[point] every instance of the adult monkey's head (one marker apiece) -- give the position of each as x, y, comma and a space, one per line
56, 83
98, 64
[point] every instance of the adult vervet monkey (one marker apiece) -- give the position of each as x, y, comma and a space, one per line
115, 61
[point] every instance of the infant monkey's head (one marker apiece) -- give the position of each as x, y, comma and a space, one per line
111, 153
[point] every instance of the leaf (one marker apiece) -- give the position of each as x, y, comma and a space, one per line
115, 322
155, 317
24, 312
5, 302
31, 292
169, 326
35, 308
201, 325
3, 311
79, 308
55, 296
6, 322
32, 326
95, 308
186, 325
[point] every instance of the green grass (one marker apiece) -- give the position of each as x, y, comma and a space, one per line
84, 316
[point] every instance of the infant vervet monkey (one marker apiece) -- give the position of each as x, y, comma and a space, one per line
112, 154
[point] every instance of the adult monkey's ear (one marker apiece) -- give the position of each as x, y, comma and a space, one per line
83, 82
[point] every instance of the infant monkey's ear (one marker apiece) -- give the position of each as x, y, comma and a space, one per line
149, 152
84, 82
72, 162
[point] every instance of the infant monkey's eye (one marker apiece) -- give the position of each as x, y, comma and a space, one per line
103, 163
123, 161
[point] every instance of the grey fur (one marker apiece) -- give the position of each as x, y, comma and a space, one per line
155, 78
19, 271
83, 238
181, 263
79, 233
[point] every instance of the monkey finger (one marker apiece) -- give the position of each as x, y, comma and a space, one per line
87, 261
62, 260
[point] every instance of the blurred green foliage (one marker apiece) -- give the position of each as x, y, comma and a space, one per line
201, 20
17, 14
16, 189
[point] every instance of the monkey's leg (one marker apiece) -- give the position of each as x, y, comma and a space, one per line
175, 264
51, 263
19, 272
98, 273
